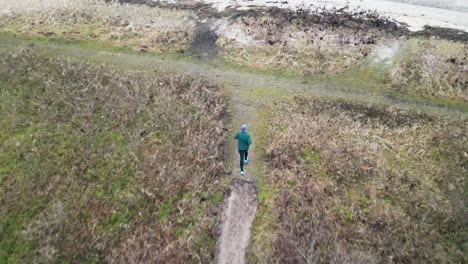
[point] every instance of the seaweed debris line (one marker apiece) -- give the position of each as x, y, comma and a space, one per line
238, 214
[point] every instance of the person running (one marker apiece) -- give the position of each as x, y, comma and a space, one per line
243, 142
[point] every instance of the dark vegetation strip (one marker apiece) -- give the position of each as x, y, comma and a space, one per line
200, 7
366, 184
103, 165
344, 17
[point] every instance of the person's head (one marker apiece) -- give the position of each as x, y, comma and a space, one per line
244, 127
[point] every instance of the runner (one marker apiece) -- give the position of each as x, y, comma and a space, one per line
243, 142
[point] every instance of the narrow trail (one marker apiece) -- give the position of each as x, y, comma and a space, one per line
253, 89
250, 91
237, 218
240, 206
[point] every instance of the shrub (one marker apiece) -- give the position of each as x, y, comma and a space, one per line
432, 68
100, 164
365, 184
305, 42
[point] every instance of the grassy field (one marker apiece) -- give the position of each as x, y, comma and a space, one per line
104, 165
353, 183
108, 165
136, 26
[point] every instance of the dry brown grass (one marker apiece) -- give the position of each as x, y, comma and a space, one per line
102, 165
305, 41
432, 68
137, 26
365, 184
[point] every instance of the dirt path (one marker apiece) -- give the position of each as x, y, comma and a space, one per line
251, 91
238, 215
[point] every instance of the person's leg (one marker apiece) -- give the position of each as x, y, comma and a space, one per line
246, 157
241, 154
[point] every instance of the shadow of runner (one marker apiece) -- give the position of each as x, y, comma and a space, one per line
204, 41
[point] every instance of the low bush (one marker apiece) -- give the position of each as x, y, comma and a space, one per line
104, 165
432, 68
305, 42
367, 184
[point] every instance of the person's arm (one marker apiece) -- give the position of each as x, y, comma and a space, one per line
235, 137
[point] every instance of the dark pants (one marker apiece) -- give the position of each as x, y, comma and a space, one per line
243, 156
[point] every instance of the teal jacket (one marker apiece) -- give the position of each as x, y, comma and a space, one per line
243, 140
